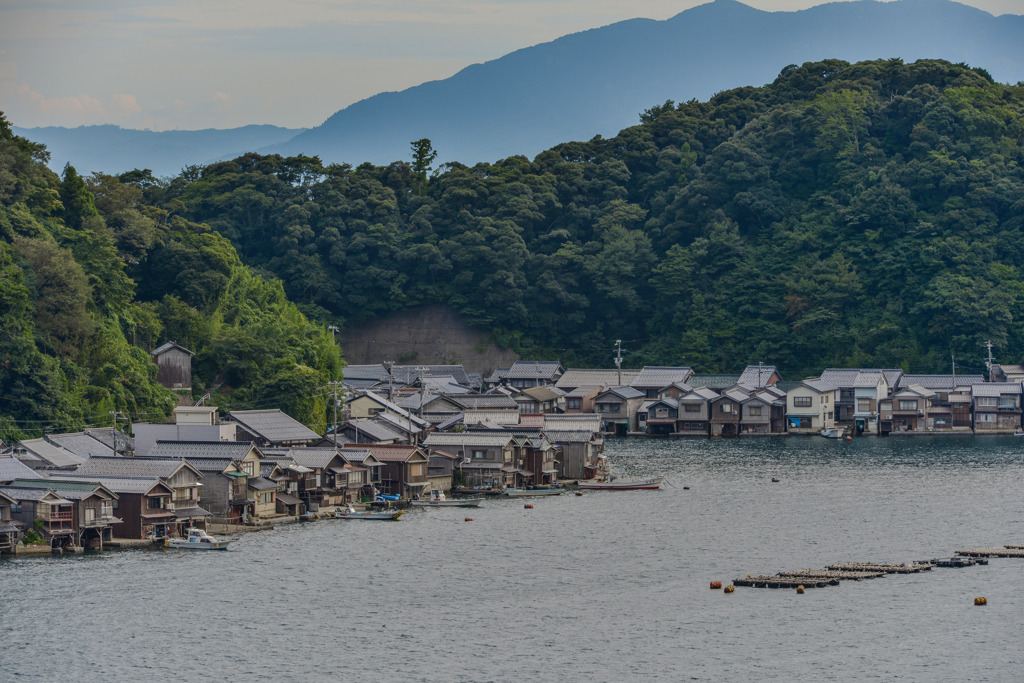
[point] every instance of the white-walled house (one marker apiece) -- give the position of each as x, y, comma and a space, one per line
810, 407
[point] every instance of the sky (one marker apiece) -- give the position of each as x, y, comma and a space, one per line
194, 64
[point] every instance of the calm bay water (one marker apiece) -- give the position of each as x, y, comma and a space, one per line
603, 587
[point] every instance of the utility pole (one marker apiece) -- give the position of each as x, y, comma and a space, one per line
618, 360
113, 431
988, 365
953, 356
334, 385
423, 385
390, 365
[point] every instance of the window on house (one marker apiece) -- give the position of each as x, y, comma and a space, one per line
155, 503
987, 401
726, 407
691, 408
249, 467
801, 401
1007, 402
661, 412
575, 403
755, 411
864, 405
479, 455
908, 404
985, 417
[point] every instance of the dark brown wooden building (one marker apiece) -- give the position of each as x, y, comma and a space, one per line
174, 365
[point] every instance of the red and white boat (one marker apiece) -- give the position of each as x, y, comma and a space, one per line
652, 483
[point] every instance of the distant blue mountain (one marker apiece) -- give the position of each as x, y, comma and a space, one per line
591, 83
111, 149
598, 81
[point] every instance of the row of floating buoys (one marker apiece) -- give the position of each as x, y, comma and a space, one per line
469, 519
715, 585
528, 506
980, 601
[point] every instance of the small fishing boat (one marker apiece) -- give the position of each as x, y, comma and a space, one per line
530, 493
438, 499
197, 539
351, 513
616, 484
833, 433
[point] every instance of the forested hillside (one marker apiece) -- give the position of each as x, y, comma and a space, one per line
92, 277
845, 214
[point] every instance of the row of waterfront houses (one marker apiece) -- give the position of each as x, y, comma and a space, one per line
406, 430
680, 402
98, 487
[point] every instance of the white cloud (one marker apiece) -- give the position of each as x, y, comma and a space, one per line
27, 107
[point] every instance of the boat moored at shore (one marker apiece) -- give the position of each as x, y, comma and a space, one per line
197, 539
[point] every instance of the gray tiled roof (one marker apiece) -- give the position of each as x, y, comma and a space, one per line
668, 400
941, 382
821, 386
573, 422
562, 436
273, 425
757, 375
374, 430
530, 369
82, 444
12, 468
713, 381
367, 373
699, 394
24, 493
867, 379
996, 388
595, 378
407, 374
262, 484
583, 391
190, 450
137, 485
482, 401
843, 378
393, 407
316, 458
167, 346
55, 455
622, 392
658, 377
106, 437
129, 467
467, 439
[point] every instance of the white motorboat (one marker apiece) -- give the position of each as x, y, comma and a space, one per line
197, 539
616, 484
438, 499
833, 433
531, 493
351, 513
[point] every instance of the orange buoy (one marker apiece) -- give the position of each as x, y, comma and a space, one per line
715, 585
980, 601
800, 589
729, 589
849, 438
469, 519
528, 506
